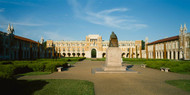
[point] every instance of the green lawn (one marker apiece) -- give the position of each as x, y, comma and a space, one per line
46, 87
182, 84
35, 73
135, 62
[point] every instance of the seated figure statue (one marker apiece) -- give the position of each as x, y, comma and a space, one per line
113, 40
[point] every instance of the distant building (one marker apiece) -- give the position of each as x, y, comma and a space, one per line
176, 47
95, 44
13, 47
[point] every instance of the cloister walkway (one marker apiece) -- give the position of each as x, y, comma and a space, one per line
147, 82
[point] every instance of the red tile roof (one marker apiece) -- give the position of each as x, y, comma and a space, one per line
22, 38
25, 39
165, 40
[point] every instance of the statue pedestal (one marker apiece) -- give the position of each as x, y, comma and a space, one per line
113, 60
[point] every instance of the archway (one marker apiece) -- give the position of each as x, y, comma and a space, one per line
173, 54
69, 54
73, 54
78, 54
93, 53
103, 55
123, 55
83, 54
127, 55
64, 54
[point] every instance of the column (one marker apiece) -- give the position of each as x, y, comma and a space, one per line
168, 53
176, 55
147, 51
172, 55
165, 57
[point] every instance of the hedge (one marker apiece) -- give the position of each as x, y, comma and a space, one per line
175, 66
143, 59
10, 68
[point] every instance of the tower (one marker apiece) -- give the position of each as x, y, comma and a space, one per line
182, 41
42, 40
146, 40
10, 29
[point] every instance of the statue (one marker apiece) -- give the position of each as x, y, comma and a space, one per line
113, 40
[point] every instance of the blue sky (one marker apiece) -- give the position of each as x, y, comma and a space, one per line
74, 19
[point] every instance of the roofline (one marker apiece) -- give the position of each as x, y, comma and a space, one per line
165, 40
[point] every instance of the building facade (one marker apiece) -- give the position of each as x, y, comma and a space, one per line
13, 47
176, 47
95, 47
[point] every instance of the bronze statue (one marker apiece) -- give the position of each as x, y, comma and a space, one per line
113, 40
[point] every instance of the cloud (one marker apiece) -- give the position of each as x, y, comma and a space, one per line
106, 17
2, 9
56, 36
26, 24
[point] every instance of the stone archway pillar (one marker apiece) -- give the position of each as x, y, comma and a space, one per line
176, 55
172, 55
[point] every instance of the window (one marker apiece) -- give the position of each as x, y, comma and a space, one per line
174, 44
73, 49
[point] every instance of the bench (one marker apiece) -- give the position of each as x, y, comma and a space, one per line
164, 69
59, 69
69, 65
143, 65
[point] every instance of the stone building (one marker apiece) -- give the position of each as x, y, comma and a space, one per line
13, 47
95, 44
176, 47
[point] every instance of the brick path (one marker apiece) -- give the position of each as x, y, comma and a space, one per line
147, 82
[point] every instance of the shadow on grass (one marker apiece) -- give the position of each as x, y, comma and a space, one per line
21, 87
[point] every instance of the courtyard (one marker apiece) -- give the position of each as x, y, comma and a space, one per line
146, 82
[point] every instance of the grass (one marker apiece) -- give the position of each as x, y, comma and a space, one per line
182, 84
133, 62
35, 73
96, 59
46, 87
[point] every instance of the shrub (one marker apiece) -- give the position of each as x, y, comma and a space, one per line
175, 66
4, 75
37, 67
7, 71
50, 67
21, 68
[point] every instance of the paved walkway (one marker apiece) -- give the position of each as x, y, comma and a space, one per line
147, 82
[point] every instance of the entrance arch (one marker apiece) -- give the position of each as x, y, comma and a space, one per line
93, 53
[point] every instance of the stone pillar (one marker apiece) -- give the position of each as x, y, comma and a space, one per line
176, 55
165, 57
168, 53
129, 53
154, 53
162, 56
140, 52
132, 53
172, 55
146, 51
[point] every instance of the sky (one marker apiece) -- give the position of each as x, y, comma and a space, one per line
75, 19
